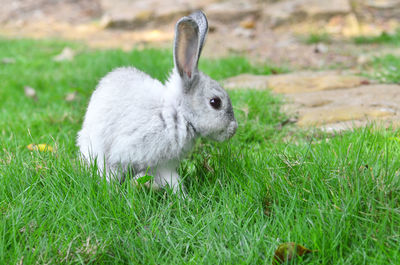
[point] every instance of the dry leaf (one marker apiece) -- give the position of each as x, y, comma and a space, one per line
290, 120
40, 147
29, 227
248, 24
90, 247
21, 261
30, 92
266, 206
67, 54
71, 96
8, 60
207, 166
287, 251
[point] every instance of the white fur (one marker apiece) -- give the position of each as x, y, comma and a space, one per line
137, 103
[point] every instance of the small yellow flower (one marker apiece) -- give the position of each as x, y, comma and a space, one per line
40, 147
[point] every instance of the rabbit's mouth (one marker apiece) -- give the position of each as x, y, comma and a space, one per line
226, 134
219, 137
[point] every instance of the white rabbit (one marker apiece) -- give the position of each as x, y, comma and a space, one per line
136, 124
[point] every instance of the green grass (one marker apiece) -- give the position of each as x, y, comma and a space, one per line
314, 38
386, 69
339, 195
383, 38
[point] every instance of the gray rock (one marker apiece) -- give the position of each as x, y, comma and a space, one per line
71, 11
290, 11
147, 13
383, 4
232, 11
297, 82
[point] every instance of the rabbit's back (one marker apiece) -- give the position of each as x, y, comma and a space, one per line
127, 86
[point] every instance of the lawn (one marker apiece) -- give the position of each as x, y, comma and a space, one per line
383, 38
385, 68
336, 194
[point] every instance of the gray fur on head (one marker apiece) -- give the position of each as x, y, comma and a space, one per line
136, 124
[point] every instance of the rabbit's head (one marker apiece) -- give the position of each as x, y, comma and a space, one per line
206, 104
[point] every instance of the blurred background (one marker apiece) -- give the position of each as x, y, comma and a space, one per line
337, 62
297, 33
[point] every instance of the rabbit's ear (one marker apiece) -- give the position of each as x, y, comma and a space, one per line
190, 33
201, 21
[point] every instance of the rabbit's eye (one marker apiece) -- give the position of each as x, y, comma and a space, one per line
215, 103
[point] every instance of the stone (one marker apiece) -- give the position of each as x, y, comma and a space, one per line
353, 107
344, 113
383, 4
256, 82
295, 82
231, 11
315, 8
359, 23
28, 11
290, 11
314, 103
377, 10
135, 20
127, 14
